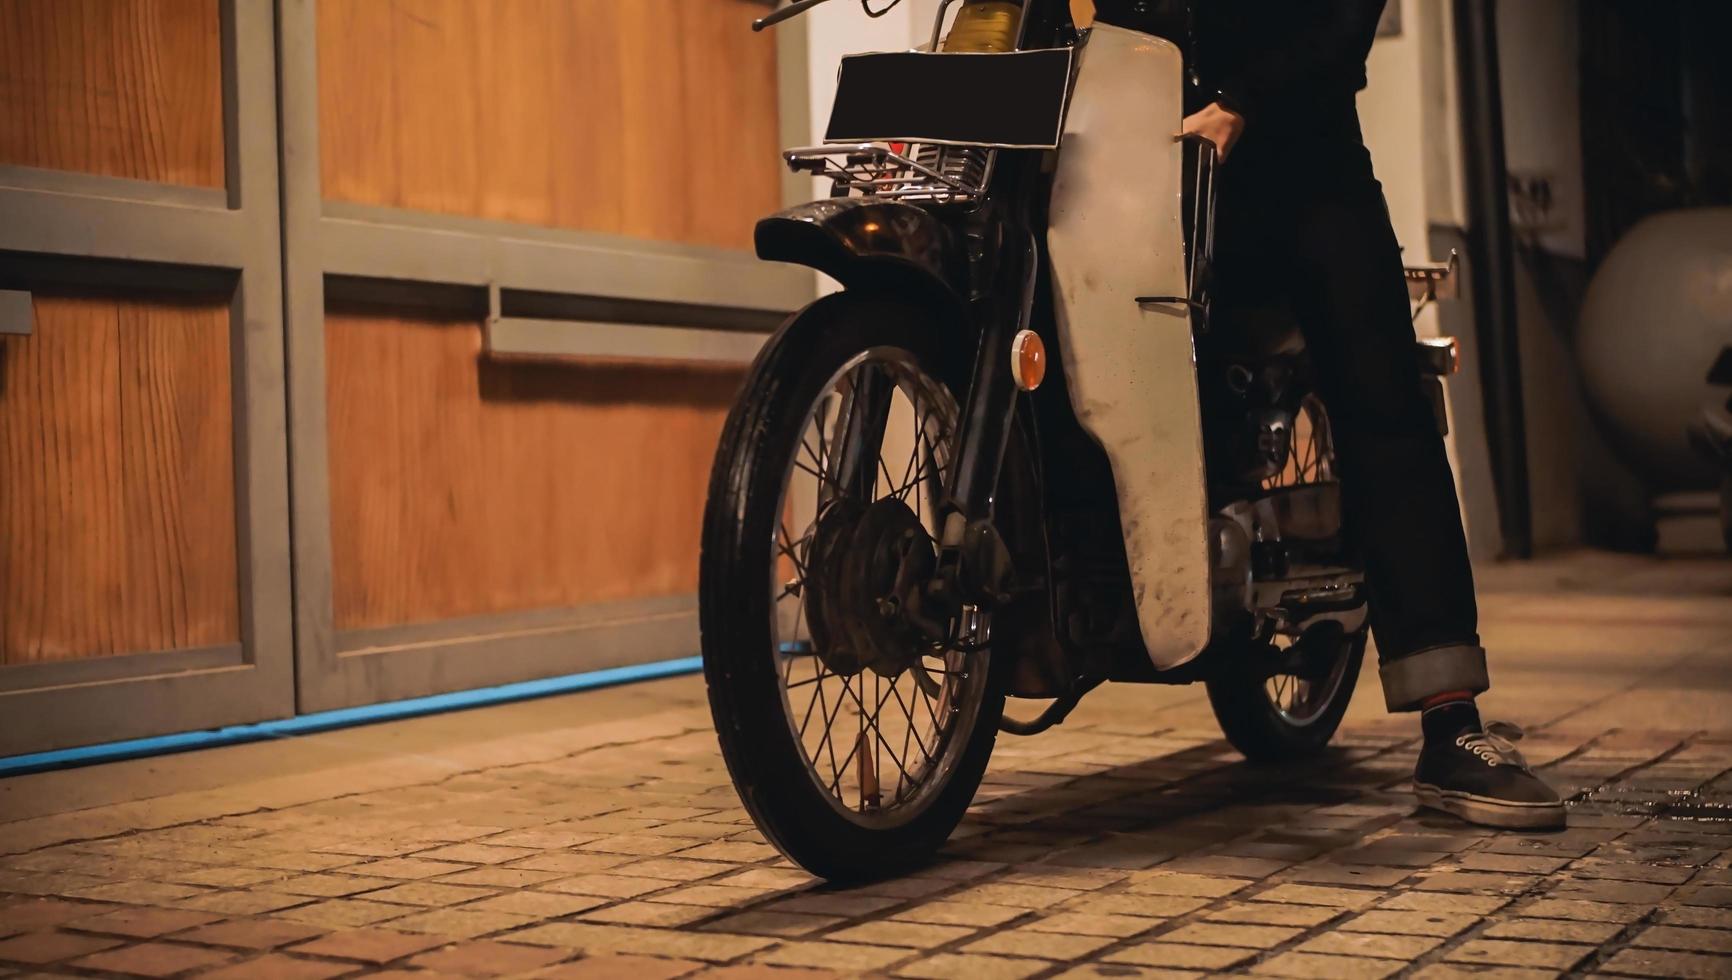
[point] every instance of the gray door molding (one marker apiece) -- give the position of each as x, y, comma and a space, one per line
79, 228
400, 253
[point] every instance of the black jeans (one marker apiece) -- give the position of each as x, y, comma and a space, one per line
1301, 215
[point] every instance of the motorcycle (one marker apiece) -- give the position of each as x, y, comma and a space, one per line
1019, 454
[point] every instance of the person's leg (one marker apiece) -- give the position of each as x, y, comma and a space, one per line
1398, 491
1400, 504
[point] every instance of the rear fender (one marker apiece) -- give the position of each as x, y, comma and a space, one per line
883, 246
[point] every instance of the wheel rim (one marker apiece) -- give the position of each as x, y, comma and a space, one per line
879, 743
1296, 700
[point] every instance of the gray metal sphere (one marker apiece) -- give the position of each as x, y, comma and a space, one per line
1656, 313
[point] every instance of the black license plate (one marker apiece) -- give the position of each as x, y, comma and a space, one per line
1014, 100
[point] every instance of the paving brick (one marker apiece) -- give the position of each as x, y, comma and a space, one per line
1090, 924
408, 868
430, 894
649, 914
1375, 944
827, 903
834, 956
42, 948
1412, 901
593, 938
892, 933
1554, 930
345, 913
279, 966
1125, 971
615, 967
1559, 908
755, 922
1273, 914
1530, 864
760, 971
242, 903
135, 892
1700, 917
368, 945
560, 864
331, 885
1039, 945
38, 913
461, 923
1404, 923
497, 877
1694, 940
961, 914
540, 905
778, 879
1552, 956
606, 885
1473, 881
1221, 864
1345, 898
1180, 955
477, 853
252, 933
1463, 971
1363, 875
1158, 882
154, 959
715, 896
1665, 963
141, 922
1313, 965
1016, 896
1227, 934
949, 966
1608, 890
486, 958
1148, 906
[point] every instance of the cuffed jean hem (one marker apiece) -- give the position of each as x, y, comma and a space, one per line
1424, 673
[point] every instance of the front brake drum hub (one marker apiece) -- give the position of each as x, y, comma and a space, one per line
890, 559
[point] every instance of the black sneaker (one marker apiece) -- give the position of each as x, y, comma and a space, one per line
1474, 772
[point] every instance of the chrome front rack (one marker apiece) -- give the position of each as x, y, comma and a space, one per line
942, 175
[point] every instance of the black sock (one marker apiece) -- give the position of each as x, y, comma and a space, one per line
1449, 719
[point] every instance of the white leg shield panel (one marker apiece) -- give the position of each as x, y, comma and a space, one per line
1116, 234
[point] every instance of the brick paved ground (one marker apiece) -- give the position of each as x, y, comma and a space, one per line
597, 836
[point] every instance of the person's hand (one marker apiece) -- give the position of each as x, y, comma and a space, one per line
1217, 124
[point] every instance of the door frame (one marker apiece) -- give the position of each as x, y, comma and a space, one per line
64, 228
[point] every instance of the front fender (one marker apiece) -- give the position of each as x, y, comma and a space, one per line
881, 245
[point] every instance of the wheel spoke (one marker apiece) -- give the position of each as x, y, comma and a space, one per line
851, 758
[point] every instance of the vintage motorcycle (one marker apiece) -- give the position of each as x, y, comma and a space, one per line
1016, 455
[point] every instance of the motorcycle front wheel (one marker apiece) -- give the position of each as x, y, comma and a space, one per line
855, 740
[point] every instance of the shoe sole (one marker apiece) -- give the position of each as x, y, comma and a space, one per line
1488, 811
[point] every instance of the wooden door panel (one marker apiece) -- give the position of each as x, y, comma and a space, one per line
650, 118
465, 486
122, 88
117, 501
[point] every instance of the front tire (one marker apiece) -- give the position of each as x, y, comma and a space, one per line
845, 800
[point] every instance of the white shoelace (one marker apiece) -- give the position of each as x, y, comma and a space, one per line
1495, 745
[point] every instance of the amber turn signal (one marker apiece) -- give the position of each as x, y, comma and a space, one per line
1028, 357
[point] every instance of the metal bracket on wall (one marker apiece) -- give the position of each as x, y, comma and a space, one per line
592, 339
17, 314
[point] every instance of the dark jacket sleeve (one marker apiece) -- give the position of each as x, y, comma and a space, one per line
1332, 48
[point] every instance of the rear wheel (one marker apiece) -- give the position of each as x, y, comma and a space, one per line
855, 739
1284, 700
